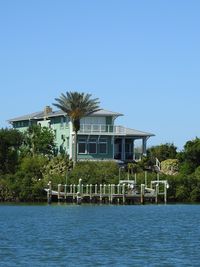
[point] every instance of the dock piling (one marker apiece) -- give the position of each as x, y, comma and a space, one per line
49, 193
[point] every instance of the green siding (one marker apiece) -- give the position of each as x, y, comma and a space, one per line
62, 134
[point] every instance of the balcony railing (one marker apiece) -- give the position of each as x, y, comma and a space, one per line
102, 128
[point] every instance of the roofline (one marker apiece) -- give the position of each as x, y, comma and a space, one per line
34, 116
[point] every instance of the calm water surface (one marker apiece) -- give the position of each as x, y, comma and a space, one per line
70, 235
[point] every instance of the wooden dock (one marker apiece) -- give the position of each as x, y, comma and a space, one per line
126, 192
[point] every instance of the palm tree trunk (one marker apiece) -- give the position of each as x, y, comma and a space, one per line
75, 147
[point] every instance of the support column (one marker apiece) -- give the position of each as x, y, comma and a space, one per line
113, 146
123, 148
144, 146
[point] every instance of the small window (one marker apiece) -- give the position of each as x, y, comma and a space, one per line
82, 146
92, 146
103, 146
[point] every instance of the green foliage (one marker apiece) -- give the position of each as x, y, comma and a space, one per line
23, 188
24, 178
162, 152
56, 170
146, 163
38, 140
134, 168
33, 166
190, 156
10, 141
170, 166
96, 172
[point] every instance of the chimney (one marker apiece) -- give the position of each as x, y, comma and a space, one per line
47, 110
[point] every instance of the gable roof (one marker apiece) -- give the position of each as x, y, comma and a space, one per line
41, 114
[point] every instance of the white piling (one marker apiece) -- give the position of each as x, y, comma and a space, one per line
65, 191
95, 189
104, 189
90, 192
123, 192
74, 191
49, 193
100, 197
59, 190
87, 189
142, 193
156, 198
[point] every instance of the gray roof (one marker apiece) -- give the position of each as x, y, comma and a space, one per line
103, 112
41, 115
133, 132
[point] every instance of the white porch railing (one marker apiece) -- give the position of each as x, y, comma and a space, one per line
102, 128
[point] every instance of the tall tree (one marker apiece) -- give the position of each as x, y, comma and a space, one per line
77, 105
39, 140
190, 156
10, 141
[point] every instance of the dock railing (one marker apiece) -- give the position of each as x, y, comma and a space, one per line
110, 193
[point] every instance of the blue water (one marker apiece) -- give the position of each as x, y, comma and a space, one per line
89, 235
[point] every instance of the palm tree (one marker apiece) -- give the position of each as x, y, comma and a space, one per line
77, 105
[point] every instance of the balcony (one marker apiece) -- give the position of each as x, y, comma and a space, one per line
102, 129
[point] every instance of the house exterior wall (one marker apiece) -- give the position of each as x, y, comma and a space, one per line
22, 126
98, 137
64, 136
60, 126
98, 154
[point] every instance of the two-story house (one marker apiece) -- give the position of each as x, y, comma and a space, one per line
99, 138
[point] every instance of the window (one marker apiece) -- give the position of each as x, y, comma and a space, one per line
103, 146
20, 124
92, 146
82, 146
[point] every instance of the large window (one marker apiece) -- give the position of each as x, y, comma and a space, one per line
92, 146
82, 146
103, 146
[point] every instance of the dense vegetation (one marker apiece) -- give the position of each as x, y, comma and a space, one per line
29, 161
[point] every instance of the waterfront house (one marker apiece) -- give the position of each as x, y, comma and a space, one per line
99, 137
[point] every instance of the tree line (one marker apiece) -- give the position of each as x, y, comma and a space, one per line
29, 160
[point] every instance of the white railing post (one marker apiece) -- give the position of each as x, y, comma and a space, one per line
87, 189
104, 189
100, 197
90, 192
95, 189
71, 189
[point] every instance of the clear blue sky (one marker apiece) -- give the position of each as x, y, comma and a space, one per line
141, 58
